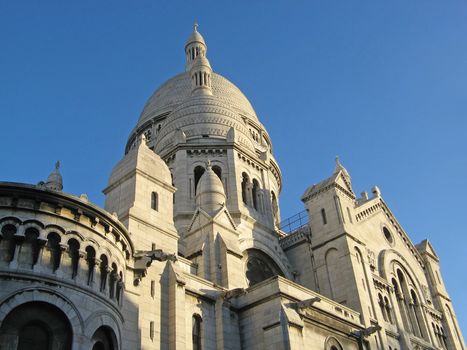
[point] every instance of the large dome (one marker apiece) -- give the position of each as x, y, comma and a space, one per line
177, 90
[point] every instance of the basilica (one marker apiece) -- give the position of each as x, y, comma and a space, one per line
190, 252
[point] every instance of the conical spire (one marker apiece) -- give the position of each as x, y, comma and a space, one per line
55, 181
197, 64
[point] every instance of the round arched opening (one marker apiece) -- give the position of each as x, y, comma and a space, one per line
36, 326
104, 339
260, 267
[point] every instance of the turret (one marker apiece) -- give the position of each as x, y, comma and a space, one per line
55, 181
197, 64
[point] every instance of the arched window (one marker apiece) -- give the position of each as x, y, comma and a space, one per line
260, 267
73, 249
381, 305
104, 271
113, 280
91, 261
387, 306
119, 287
104, 339
255, 194
7, 243
196, 332
275, 208
333, 344
29, 249
155, 201
53, 245
400, 303
245, 185
36, 325
415, 304
198, 172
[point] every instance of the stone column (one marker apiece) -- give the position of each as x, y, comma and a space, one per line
83, 268
398, 319
64, 269
38, 264
96, 280
18, 239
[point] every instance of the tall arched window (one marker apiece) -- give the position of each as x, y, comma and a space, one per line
104, 272
381, 305
73, 249
155, 201
275, 208
113, 280
245, 184
91, 261
255, 194
30, 248
7, 243
196, 332
387, 306
53, 245
198, 172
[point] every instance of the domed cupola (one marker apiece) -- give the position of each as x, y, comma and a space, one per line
198, 65
210, 191
195, 46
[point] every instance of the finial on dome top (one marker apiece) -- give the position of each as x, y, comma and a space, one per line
195, 26
57, 165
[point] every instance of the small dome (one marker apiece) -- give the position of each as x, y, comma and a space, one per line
195, 37
210, 191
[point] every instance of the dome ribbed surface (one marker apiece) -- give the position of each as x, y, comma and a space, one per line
178, 89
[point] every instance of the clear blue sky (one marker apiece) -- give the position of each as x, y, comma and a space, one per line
381, 83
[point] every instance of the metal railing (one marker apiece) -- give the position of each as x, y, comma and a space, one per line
294, 222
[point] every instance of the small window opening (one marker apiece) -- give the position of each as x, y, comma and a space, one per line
323, 216
155, 201
196, 332
245, 183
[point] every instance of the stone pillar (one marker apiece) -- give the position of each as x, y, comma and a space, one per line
18, 239
404, 337
83, 268
65, 268
177, 310
96, 280
38, 265
227, 333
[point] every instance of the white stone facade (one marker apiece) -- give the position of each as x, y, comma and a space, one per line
189, 252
